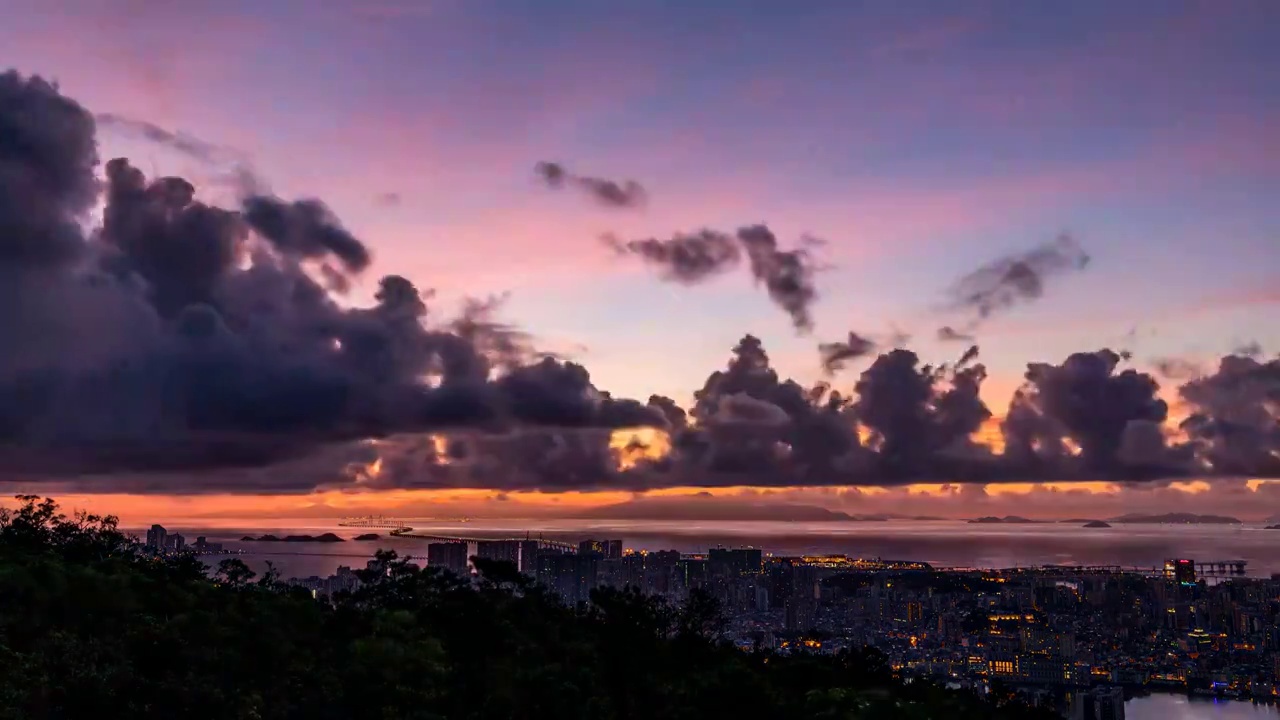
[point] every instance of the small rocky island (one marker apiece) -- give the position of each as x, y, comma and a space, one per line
1097, 524
366, 536
992, 520
325, 538
1272, 527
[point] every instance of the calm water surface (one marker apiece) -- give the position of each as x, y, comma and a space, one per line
942, 543
1180, 707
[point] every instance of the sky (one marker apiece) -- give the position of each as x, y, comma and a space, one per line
918, 139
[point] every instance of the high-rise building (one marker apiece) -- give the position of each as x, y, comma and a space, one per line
175, 542
800, 614
660, 568
500, 550
691, 573
608, 549
734, 562
572, 576
156, 537
451, 556
1180, 570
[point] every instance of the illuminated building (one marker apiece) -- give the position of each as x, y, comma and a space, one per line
1180, 570
608, 549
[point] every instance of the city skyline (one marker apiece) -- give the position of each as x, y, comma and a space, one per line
920, 147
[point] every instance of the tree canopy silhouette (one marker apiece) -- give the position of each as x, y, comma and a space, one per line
93, 626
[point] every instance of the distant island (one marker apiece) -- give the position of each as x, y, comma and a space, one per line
1176, 518
366, 536
1007, 519
1272, 527
700, 507
1097, 524
325, 538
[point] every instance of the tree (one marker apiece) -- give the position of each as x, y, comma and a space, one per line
90, 627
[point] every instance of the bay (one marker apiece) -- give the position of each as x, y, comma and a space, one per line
941, 543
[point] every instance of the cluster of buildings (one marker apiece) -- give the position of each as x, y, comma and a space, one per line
1073, 638
1078, 639
161, 541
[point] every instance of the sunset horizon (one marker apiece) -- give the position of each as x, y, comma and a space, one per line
855, 279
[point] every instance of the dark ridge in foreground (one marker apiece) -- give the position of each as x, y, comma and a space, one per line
93, 627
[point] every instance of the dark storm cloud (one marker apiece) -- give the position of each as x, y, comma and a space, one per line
625, 194
183, 347
691, 258
305, 229
684, 258
180, 335
920, 416
1015, 279
835, 355
786, 274
1089, 401
1234, 425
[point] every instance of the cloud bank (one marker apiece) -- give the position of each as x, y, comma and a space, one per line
183, 347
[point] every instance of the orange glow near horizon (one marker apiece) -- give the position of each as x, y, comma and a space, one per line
228, 510
631, 446
990, 434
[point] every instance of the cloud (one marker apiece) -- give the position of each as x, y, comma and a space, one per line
610, 193
387, 199
946, 333
181, 335
691, 258
230, 165
836, 354
185, 347
1014, 279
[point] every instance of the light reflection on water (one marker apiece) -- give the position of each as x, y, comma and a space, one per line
1181, 707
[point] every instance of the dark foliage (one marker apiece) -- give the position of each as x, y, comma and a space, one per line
90, 626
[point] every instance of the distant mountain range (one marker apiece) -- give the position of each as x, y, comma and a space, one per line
729, 509
1177, 518
726, 509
